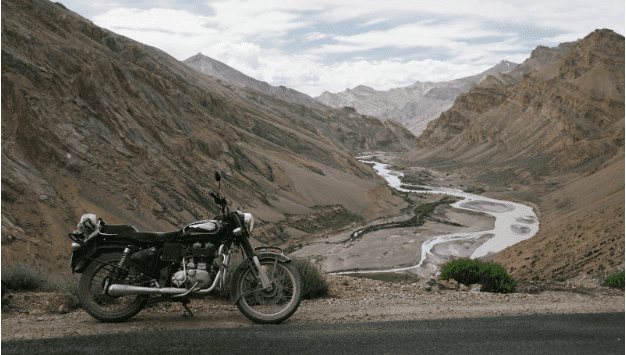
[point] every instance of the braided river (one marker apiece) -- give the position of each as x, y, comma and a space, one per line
514, 223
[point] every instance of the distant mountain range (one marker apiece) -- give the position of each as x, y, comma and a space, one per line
413, 106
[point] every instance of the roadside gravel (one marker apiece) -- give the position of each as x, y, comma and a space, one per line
350, 299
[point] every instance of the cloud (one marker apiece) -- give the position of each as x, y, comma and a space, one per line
242, 56
161, 20
315, 36
177, 32
321, 45
308, 74
373, 22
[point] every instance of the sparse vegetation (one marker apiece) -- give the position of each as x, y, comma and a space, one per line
474, 190
615, 279
421, 213
327, 217
389, 277
416, 188
492, 277
24, 276
314, 283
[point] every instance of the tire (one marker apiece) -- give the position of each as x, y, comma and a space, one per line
101, 306
276, 305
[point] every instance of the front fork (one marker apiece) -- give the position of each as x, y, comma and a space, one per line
249, 250
265, 281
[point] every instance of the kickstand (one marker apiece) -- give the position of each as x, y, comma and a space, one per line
185, 302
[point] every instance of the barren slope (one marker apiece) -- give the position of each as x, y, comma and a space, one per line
556, 139
93, 122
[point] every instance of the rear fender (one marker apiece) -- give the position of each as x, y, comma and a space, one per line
83, 257
234, 292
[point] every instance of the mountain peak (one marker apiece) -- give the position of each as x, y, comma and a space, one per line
215, 68
417, 103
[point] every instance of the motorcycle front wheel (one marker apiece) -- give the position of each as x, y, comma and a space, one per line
276, 304
96, 302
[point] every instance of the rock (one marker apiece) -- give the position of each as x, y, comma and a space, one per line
451, 284
462, 287
63, 309
475, 287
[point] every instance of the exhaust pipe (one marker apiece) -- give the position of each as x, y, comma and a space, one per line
127, 290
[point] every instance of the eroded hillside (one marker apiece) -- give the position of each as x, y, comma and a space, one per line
552, 135
93, 122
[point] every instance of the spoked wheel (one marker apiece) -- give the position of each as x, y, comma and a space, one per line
100, 305
273, 305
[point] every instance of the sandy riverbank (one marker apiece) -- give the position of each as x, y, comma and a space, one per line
397, 247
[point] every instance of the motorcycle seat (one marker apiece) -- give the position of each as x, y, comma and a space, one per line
142, 237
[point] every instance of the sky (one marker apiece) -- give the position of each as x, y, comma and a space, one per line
330, 45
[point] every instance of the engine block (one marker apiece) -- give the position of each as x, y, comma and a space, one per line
190, 277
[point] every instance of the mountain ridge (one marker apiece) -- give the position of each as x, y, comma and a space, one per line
552, 134
219, 70
414, 105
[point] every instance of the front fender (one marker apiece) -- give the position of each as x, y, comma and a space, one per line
234, 291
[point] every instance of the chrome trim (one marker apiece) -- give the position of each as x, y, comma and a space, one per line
265, 281
127, 290
223, 266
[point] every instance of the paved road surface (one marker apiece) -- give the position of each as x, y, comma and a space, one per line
540, 334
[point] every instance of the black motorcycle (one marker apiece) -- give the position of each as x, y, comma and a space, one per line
124, 269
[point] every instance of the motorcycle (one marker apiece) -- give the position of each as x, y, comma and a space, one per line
124, 269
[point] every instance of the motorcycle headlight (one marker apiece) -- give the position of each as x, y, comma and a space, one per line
248, 221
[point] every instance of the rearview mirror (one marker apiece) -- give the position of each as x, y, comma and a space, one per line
218, 176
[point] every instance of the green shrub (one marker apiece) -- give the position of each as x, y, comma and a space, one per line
492, 277
314, 283
615, 280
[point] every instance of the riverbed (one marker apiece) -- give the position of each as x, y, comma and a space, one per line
489, 226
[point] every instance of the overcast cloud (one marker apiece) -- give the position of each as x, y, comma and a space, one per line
330, 45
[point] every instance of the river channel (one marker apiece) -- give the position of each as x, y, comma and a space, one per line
514, 222
487, 226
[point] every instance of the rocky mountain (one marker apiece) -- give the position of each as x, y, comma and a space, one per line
219, 70
93, 122
346, 128
413, 106
551, 133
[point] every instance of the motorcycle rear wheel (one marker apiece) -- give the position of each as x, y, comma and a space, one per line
276, 304
99, 305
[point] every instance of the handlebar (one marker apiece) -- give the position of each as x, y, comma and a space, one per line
219, 200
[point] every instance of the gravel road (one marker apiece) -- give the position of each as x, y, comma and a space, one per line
350, 299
